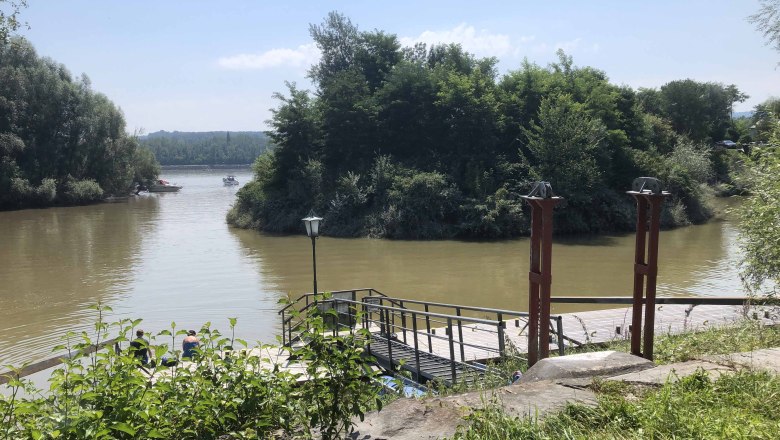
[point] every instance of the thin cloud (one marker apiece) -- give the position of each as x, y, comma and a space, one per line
303, 56
576, 45
480, 42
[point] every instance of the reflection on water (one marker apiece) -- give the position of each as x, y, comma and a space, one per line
54, 263
171, 257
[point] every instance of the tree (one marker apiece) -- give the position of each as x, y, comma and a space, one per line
760, 225
431, 142
767, 21
9, 17
60, 141
563, 147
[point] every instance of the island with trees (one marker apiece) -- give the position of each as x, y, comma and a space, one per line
431, 142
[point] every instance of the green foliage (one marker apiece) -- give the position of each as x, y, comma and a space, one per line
205, 148
223, 393
342, 386
9, 17
767, 21
741, 405
701, 111
77, 192
759, 229
429, 142
54, 130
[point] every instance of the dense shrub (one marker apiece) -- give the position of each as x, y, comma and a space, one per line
79, 192
222, 393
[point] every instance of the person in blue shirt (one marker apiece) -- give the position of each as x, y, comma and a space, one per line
189, 344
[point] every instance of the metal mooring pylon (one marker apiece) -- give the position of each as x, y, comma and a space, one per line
542, 201
649, 200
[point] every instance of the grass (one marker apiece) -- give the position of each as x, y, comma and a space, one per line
743, 405
739, 405
746, 335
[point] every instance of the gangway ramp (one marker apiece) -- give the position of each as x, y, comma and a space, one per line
393, 356
432, 341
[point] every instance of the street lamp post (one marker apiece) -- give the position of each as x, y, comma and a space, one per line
312, 223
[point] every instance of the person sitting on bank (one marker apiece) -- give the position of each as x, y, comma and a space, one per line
189, 345
139, 347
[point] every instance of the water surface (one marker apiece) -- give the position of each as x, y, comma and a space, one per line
172, 257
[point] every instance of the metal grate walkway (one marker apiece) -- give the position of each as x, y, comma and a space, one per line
393, 355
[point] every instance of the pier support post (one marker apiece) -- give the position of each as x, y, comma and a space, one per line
649, 202
542, 201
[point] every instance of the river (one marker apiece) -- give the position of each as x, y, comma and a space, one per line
171, 257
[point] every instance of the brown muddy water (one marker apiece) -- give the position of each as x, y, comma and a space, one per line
172, 257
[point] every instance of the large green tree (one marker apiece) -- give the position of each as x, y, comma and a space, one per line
59, 140
431, 142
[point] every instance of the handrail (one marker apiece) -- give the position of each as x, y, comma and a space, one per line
6, 376
719, 301
456, 306
309, 294
429, 314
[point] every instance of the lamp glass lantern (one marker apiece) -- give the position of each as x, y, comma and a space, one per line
312, 223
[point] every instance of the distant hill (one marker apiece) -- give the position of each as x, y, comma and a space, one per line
205, 147
737, 115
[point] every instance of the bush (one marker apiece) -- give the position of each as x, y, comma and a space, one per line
223, 393
81, 192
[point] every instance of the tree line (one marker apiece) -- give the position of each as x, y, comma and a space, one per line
206, 148
431, 142
60, 141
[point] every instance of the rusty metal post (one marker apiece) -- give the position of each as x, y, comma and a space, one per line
652, 272
534, 278
649, 197
640, 269
542, 201
544, 303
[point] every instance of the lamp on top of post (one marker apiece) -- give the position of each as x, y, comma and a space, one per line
312, 223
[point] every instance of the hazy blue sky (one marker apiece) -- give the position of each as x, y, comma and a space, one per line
208, 65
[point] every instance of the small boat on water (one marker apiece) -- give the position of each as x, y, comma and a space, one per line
163, 186
230, 180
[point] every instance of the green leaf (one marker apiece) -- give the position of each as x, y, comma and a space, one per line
123, 427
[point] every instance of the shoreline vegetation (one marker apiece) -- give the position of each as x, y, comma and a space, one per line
61, 143
227, 393
430, 142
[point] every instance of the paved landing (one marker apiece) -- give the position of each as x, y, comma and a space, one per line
480, 342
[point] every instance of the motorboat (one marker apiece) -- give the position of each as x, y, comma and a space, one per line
230, 180
162, 185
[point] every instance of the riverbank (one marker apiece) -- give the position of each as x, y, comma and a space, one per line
698, 378
242, 166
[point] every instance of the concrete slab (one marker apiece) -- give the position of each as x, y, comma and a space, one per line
672, 372
766, 359
603, 363
432, 418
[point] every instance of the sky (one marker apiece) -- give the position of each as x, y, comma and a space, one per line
211, 66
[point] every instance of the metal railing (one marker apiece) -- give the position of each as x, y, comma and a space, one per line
710, 300
374, 315
293, 314
396, 323
649, 337
456, 310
